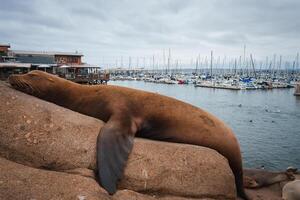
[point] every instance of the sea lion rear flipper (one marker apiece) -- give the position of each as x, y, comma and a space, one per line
114, 143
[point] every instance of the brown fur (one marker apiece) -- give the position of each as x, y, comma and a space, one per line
151, 115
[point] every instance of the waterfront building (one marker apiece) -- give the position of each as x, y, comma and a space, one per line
68, 65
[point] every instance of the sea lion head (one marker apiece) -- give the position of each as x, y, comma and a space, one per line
250, 182
290, 173
37, 83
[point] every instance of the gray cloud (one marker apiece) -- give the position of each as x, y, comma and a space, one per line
107, 30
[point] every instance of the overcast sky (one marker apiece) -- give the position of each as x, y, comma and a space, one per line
105, 30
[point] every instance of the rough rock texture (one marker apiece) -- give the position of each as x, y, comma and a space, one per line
131, 195
42, 135
21, 182
291, 191
177, 169
18, 182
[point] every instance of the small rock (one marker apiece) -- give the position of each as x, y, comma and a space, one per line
27, 135
28, 121
81, 197
22, 127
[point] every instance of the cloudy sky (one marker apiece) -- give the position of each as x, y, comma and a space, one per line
106, 30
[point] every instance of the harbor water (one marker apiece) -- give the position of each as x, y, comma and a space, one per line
266, 122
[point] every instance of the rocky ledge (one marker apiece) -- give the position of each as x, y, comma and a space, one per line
49, 152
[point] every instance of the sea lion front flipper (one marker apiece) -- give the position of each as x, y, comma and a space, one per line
114, 143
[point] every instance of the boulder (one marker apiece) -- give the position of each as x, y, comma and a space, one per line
21, 182
131, 195
177, 169
43, 135
40, 134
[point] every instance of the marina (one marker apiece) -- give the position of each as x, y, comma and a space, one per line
233, 75
266, 122
225, 80
152, 100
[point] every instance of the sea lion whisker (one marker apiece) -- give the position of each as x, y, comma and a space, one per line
29, 86
18, 83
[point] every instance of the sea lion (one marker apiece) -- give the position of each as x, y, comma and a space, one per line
129, 113
257, 178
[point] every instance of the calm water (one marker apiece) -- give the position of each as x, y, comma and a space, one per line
272, 138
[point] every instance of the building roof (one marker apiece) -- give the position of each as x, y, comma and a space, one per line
80, 66
5, 45
84, 66
50, 53
14, 65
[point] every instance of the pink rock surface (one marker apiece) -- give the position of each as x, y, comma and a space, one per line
43, 135
21, 182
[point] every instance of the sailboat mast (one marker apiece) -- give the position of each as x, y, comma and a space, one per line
169, 60
235, 67
253, 66
211, 63
196, 65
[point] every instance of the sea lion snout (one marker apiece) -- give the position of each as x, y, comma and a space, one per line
14, 81
292, 169
20, 83
290, 173
34, 83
